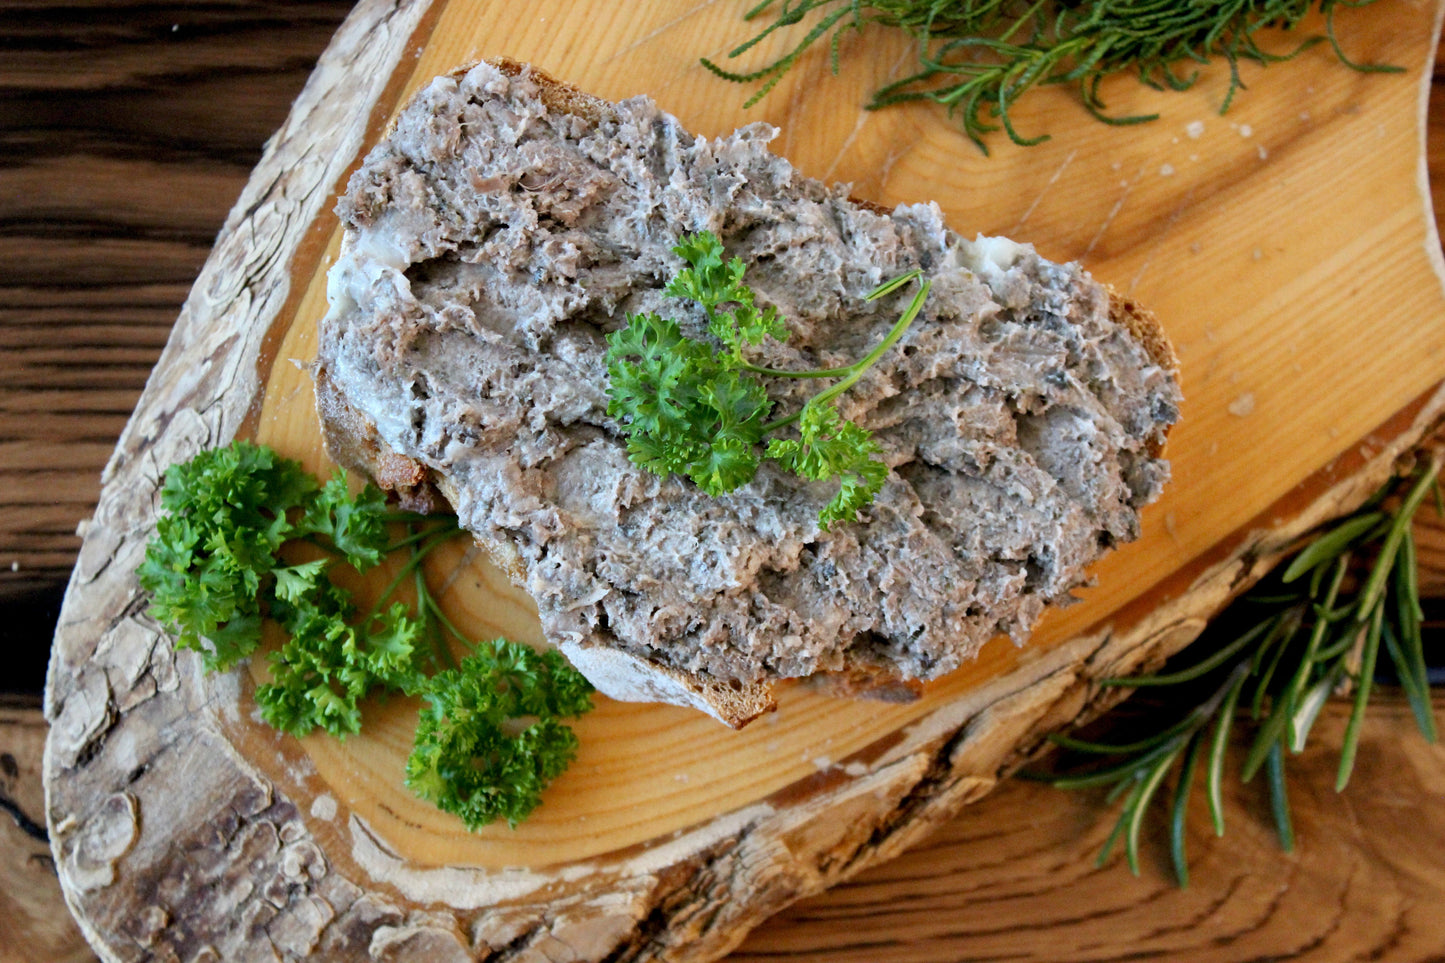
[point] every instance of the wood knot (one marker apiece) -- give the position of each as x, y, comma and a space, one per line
104, 838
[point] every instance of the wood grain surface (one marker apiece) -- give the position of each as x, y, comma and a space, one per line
126, 131
1147, 212
118, 195
34, 924
1015, 876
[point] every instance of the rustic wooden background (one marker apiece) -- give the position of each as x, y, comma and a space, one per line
126, 131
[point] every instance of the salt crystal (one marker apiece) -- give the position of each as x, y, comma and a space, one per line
1195, 129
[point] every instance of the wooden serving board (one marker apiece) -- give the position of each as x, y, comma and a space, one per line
1288, 248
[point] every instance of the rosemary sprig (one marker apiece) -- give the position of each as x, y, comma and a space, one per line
978, 57
1316, 628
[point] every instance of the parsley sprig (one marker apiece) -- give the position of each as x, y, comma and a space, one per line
978, 57
699, 409
1316, 629
217, 567
228, 513
491, 738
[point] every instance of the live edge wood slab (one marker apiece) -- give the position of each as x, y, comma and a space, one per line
1304, 297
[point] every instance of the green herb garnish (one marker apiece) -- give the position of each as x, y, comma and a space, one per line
1312, 633
699, 409
491, 740
215, 571
978, 57
205, 567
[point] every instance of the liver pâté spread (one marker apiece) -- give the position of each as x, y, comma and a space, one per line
493, 243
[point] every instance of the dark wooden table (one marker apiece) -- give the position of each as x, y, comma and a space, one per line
127, 129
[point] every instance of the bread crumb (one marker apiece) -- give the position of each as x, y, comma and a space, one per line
1243, 405
1195, 129
14, 566
822, 763
83, 526
855, 769
1166, 170
1261, 152
323, 807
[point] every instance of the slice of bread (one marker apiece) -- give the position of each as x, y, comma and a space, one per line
508, 222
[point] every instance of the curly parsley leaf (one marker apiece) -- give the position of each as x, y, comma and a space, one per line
356, 525
491, 739
214, 570
687, 411
829, 447
313, 683
216, 573
658, 376
713, 282
688, 408
208, 566
295, 582
331, 663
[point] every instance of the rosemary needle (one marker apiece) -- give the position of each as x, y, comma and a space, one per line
1310, 635
977, 58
